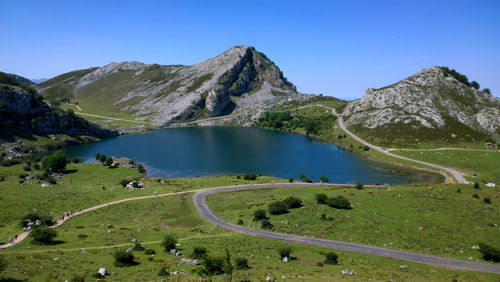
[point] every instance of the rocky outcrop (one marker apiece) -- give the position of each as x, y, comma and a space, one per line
430, 99
240, 80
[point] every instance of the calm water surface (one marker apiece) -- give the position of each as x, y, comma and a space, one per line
207, 151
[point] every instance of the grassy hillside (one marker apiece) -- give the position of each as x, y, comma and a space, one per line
412, 218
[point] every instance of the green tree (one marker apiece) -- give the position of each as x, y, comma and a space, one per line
487, 90
321, 198
290, 179
301, 176
241, 263
141, 169
97, 156
228, 266
43, 235
293, 202
277, 207
359, 186
259, 214
102, 158
476, 185
474, 84
212, 266
55, 162
108, 161
169, 242
331, 258
324, 179
339, 202
123, 258
199, 252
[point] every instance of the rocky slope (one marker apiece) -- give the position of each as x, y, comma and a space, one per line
239, 81
430, 105
24, 116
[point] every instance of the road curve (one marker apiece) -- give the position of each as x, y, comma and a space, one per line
199, 200
458, 177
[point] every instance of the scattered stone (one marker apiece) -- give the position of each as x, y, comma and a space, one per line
475, 247
348, 272
403, 267
270, 279
103, 271
56, 259
84, 251
286, 259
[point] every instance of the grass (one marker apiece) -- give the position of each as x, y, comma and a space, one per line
149, 220
485, 164
80, 188
411, 218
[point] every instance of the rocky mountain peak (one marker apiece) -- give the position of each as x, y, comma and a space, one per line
434, 98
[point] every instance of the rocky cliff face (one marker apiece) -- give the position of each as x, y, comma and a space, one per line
23, 111
238, 81
429, 101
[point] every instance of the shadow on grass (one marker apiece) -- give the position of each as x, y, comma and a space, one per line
70, 171
51, 243
9, 280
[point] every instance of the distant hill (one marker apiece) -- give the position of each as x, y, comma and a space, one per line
22, 80
238, 81
436, 104
23, 116
38, 80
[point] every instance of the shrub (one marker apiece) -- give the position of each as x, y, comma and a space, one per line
124, 182
241, 263
82, 236
359, 186
122, 259
277, 207
308, 180
266, 224
240, 221
284, 252
163, 272
324, 179
138, 247
102, 158
331, 258
290, 180
251, 176
319, 264
475, 196
97, 156
149, 252
489, 252
321, 198
212, 266
259, 214
199, 252
487, 90
476, 185
108, 161
474, 84
366, 148
293, 202
169, 242
55, 162
43, 235
301, 176
487, 200
131, 162
141, 169
339, 202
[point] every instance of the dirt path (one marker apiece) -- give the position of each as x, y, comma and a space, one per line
112, 118
442, 149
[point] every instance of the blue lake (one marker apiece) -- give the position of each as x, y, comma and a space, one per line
208, 151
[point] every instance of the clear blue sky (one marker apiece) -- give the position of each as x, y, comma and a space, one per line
338, 48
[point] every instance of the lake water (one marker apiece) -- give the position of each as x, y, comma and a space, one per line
208, 151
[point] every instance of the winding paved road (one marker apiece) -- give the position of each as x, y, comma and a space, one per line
199, 199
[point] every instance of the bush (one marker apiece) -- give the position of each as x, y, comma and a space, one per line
83, 236
122, 259
97, 156
55, 162
43, 235
240, 221
475, 196
124, 182
259, 214
266, 224
489, 252
301, 176
476, 185
169, 242
293, 202
339, 202
138, 247
149, 252
290, 179
331, 258
251, 176
277, 207
487, 90
359, 186
102, 158
163, 272
308, 180
319, 264
241, 263
212, 266
324, 179
284, 252
108, 161
141, 169
199, 252
487, 200
321, 198
474, 84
